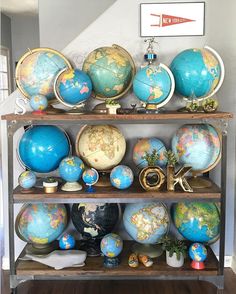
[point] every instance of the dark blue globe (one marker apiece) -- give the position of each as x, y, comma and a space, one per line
42, 148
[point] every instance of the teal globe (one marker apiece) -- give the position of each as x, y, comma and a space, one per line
38, 103
66, 242
198, 252
90, 176
41, 223
152, 85
148, 145
197, 221
146, 223
27, 179
121, 177
111, 245
71, 168
111, 70
197, 73
197, 145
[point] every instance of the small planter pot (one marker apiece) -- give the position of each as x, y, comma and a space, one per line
112, 109
50, 187
173, 261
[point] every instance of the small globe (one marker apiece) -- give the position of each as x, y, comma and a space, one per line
146, 223
94, 220
67, 241
149, 145
153, 85
38, 102
193, 142
198, 252
90, 176
37, 70
121, 177
101, 146
41, 224
111, 245
72, 87
111, 70
27, 179
71, 168
42, 148
197, 73
197, 221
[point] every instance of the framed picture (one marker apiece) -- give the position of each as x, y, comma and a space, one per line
172, 19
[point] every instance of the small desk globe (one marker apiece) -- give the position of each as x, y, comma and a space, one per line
41, 224
42, 148
93, 221
121, 177
27, 180
198, 254
111, 246
146, 223
66, 242
38, 103
90, 176
197, 221
36, 71
149, 145
154, 85
198, 73
71, 169
72, 88
199, 146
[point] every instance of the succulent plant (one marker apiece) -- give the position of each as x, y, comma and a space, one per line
111, 102
173, 245
171, 158
151, 158
210, 105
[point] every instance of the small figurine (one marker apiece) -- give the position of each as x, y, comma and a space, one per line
145, 260
133, 260
66, 242
38, 103
50, 185
27, 180
198, 254
90, 176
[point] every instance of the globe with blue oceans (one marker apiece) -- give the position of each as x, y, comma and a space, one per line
37, 70
146, 223
27, 179
152, 84
197, 73
121, 177
197, 221
197, 145
73, 86
66, 242
148, 145
90, 176
111, 245
41, 223
198, 252
71, 168
42, 148
111, 70
38, 102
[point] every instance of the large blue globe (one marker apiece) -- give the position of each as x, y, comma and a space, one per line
196, 72
42, 148
71, 168
152, 84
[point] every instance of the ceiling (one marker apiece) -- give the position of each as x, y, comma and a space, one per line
25, 7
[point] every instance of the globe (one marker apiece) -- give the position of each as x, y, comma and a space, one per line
198, 252
90, 176
42, 148
27, 179
199, 141
72, 87
41, 223
38, 103
71, 168
111, 245
121, 177
149, 145
100, 146
198, 73
197, 221
154, 84
67, 241
37, 70
111, 70
146, 223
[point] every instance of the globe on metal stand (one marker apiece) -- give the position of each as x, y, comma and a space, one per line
90, 176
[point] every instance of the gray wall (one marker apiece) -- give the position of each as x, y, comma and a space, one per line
61, 21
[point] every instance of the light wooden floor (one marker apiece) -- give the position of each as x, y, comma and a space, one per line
121, 287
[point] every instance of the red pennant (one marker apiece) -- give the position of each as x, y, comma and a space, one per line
169, 20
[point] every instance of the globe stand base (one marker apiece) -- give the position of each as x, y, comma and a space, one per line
153, 108
27, 191
104, 180
198, 265
100, 108
71, 187
76, 110
52, 110
91, 246
38, 249
150, 250
199, 182
111, 262
39, 112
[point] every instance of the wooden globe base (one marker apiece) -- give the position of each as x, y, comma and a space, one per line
150, 250
199, 182
52, 110
104, 180
41, 249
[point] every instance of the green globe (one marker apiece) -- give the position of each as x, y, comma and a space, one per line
111, 70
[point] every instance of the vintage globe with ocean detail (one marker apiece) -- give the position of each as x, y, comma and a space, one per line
71, 168
38, 103
90, 176
111, 245
121, 177
27, 179
198, 252
197, 221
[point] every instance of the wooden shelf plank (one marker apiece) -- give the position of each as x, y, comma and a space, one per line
94, 268
109, 194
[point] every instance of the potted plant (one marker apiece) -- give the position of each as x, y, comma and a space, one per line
175, 251
112, 106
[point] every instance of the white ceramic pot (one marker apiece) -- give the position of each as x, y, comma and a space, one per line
173, 261
112, 109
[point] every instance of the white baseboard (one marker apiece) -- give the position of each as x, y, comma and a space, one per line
234, 264
228, 260
5, 263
